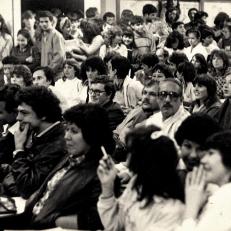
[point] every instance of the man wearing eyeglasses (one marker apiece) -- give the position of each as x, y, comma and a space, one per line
172, 112
102, 92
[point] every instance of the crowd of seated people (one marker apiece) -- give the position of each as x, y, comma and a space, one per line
116, 125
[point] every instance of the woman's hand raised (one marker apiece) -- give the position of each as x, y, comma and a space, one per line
195, 195
107, 173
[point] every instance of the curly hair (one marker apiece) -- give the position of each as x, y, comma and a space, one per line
43, 102
25, 72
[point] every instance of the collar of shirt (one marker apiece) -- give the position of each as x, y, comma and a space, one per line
48, 129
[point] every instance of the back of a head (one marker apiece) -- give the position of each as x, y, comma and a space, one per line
122, 66
189, 128
178, 58
149, 9
151, 158
10, 60
187, 70
7, 95
149, 59
91, 12
42, 101
221, 142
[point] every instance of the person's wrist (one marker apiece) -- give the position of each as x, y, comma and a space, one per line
107, 191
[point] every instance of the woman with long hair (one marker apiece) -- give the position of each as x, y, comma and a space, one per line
218, 67
25, 51
153, 197
6, 41
200, 64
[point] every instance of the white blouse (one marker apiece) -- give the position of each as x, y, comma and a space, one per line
127, 213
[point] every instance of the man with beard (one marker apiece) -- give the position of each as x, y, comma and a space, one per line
149, 106
172, 112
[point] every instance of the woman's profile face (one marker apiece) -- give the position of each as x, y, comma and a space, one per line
215, 171
76, 145
201, 92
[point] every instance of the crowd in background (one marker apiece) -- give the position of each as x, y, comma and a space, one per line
117, 124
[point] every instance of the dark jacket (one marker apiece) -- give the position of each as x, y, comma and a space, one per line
76, 193
6, 148
115, 114
223, 116
31, 167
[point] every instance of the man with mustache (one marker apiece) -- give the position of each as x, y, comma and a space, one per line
172, 112
148, 107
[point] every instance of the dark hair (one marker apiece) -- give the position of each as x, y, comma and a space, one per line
90, 30
91, 12
149, 59
167, 19
205, 32
129, 33
122, 66
10, 60
7, 95
135, 19
108, 15
174, 37
187, 70
3, 28
25, 72
192, 9
176, 24
43, 102
221, 141
203, 69
150, 159
45, 14
72, 62
220, 18
196, 32
93, 122
211, 85
109, 86
96, 63
221, 54
178, 58
48, 72
196, 128
25, 33
149, 9
164, 69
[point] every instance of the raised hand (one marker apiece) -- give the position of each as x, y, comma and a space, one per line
195, 194
20, 136
107, 173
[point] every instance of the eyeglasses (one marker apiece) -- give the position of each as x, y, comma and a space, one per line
96, 92
172, 95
